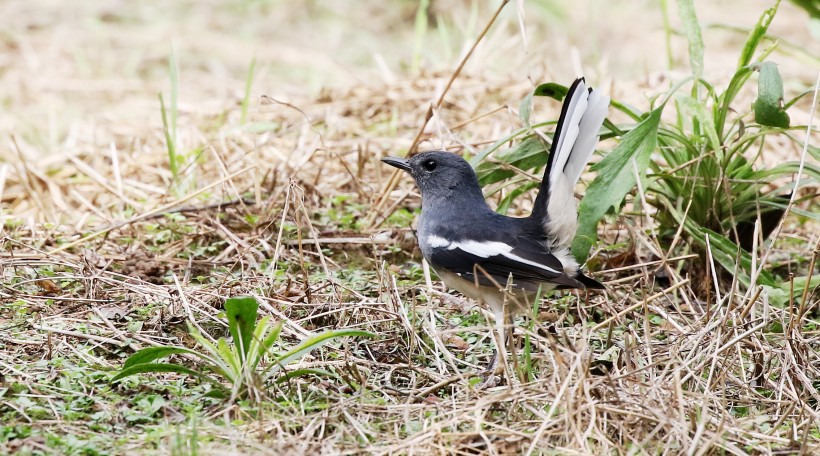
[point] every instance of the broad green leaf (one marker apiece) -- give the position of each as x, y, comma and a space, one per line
164, 368
768, 107
691, 27
148, 354
312, 343
241, 312
551, 90
616, 177
527, 154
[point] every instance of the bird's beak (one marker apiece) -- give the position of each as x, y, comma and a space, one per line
400, 163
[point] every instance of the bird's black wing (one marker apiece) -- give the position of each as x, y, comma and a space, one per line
489, 258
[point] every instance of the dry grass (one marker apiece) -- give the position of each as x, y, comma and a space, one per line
103, 253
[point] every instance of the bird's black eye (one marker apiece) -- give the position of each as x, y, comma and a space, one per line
429, 165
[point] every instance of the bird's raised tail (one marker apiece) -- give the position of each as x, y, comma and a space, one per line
576, 136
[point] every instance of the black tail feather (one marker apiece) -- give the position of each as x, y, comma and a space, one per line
539, 210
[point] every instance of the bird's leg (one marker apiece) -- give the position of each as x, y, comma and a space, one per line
500, 358
498, 362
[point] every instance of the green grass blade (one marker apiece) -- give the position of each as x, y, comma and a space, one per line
506, 202
691, 28
158, 368
215, 359
170, 142
312, 343
173, 74
696, 109
479, 158
148, 354
728, 254
756, 35
269, 340
247, 98
229, 355
528, 154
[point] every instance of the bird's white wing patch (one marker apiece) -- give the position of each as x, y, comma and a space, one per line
491, 248
437, 242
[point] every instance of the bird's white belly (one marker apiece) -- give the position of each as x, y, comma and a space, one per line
517, 302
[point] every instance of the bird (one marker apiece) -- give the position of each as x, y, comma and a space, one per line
498, 260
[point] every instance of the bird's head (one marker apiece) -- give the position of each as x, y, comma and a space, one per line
440, 175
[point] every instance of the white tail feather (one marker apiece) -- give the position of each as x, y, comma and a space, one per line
593, 118
576, 143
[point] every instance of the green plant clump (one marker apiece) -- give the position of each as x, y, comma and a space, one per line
704, 177
247, 365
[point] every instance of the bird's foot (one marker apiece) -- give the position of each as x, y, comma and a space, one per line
493, 374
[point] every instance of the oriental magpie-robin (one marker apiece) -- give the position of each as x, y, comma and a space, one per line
499, 260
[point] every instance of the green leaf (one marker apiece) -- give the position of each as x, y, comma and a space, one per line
691, 27
228, 354
168, 368
214, 356
269, 340
551, 90
217, 394
170, 144
241, 312
479, 157
525, 109
727, 254
211, 349
756, 36
743, 70
164, 368
148, 354
616, 177
697, 110
768, 107
505, 203
811, 6
528, 154
812, 215
312, 343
